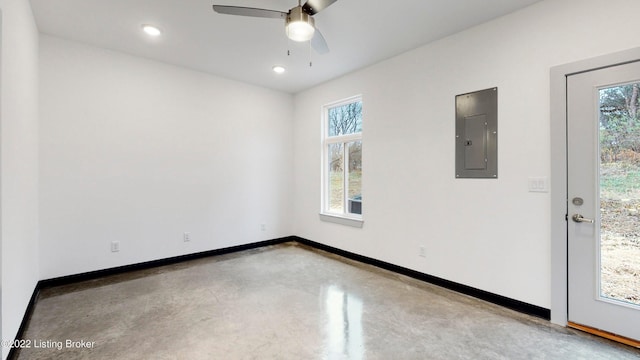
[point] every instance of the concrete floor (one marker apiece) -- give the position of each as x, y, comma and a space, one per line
288, 302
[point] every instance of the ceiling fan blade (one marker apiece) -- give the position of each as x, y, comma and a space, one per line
246, 11
313, 7
318, 43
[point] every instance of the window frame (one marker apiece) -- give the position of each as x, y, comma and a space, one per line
345, 217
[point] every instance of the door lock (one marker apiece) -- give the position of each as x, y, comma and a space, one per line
580, 219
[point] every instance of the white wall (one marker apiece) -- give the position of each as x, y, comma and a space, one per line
139, 152
489, 234
18, 161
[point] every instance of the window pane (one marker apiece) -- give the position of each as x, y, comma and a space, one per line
355, 177
336, 178
345, 119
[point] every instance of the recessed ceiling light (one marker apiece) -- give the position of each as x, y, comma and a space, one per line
151, 30
279, 69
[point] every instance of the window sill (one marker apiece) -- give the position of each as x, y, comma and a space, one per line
342, 220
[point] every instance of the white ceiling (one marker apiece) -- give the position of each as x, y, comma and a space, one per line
359, 33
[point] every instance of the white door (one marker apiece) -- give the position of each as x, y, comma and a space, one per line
603, 143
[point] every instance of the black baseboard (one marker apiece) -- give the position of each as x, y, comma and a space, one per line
70, 279
13, 353
464, 289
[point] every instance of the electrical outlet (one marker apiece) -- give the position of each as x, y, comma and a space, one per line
423, 251
115, 246
263, 227
186, 237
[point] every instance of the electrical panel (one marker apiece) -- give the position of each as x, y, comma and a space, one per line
477, 134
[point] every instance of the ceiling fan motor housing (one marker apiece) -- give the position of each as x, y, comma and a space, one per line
299, 25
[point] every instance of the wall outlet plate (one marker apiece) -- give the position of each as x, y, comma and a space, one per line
186, 237
115, 246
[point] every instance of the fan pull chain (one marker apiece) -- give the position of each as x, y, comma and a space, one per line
310, 60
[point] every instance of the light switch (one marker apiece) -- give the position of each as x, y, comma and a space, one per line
539, 184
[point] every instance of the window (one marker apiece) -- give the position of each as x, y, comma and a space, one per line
342, 159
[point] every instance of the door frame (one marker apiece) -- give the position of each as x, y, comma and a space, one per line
558, 182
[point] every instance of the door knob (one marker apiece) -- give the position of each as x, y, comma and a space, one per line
580, 219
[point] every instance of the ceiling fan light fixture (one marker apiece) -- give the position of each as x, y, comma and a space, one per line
299, 26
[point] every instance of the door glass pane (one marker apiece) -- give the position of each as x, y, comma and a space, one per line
335, 200
620, 193
355, 177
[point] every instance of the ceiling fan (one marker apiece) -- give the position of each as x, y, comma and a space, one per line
298, 22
